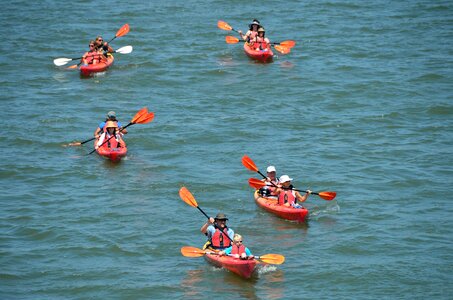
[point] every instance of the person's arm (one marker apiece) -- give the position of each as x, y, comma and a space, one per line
205, 226
301, 198
96, 132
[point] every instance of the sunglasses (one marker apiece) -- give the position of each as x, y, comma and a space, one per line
238, 241
91, 45
100, 40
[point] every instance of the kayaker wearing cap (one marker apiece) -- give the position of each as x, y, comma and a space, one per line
111, 116
238, 249
271, 182
261, 42
252, 32
219, 235
102, 47
111, 134
287, 196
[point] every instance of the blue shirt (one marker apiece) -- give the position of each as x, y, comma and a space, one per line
102, 124
228, 251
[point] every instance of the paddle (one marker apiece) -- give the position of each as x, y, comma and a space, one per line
79, 143
274, 259
63, 61
187, 197
249, 164
287, 44
141, 117
257, 184
225, 26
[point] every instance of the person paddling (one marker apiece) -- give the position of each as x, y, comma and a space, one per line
111, 116
287, 196
91, 56
261, 42
219, 235
237, 250
102, 47
252, 32
271, 182
111, 134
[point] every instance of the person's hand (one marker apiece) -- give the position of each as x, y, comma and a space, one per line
309, 191
243, 256
240, 32
106, 44
211, 220
221, 253
236, 255
251, 257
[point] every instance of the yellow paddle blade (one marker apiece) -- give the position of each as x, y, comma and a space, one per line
187, 197
256, 183
249, 164
274, 259
223, 25
231, 39
282, 49
188, 251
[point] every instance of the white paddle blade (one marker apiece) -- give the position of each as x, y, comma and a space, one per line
124, 50
61, 61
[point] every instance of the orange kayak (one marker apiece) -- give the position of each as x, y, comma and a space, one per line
265, 55
87, 70
114, 154
284, 212
241, 267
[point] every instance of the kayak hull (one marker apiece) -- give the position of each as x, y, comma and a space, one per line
261, 55
243, 268
88, 70
284, 212
113, 154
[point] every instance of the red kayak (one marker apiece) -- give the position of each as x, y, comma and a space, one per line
265, 55
87, 70
284, 212
111, 150
241, 267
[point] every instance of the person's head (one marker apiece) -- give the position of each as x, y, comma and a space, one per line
99, 40
221, 220
285, 180
237, 239
271, 172
111, 115
261, 31
92, 45
111, 126
254, 25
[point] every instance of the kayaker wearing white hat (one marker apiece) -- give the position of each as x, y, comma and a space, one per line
219, 235
271, 182
252, 32
287, 196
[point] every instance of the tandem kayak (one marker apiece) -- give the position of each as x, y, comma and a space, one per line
284, 212
87, 70
241, 267
113, 153
265, 55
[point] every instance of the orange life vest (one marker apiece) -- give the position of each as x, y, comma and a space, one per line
237, 250
287, 196
261, 43
220, 239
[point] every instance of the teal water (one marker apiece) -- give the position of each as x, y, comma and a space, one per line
361, 106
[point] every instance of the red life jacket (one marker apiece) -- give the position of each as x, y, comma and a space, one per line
91, 57
261, 43
287, 196
220, 239
237, 250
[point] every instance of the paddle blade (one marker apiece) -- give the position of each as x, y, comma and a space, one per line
61, 61
256, 183
288, 43
139, 114
231, 39
327, 195
145, 118
124, 50
249, 164
188, 251
122, 31
282, 49
187, 197
274, 259
224, 25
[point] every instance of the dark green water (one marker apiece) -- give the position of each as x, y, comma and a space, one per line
361, 106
